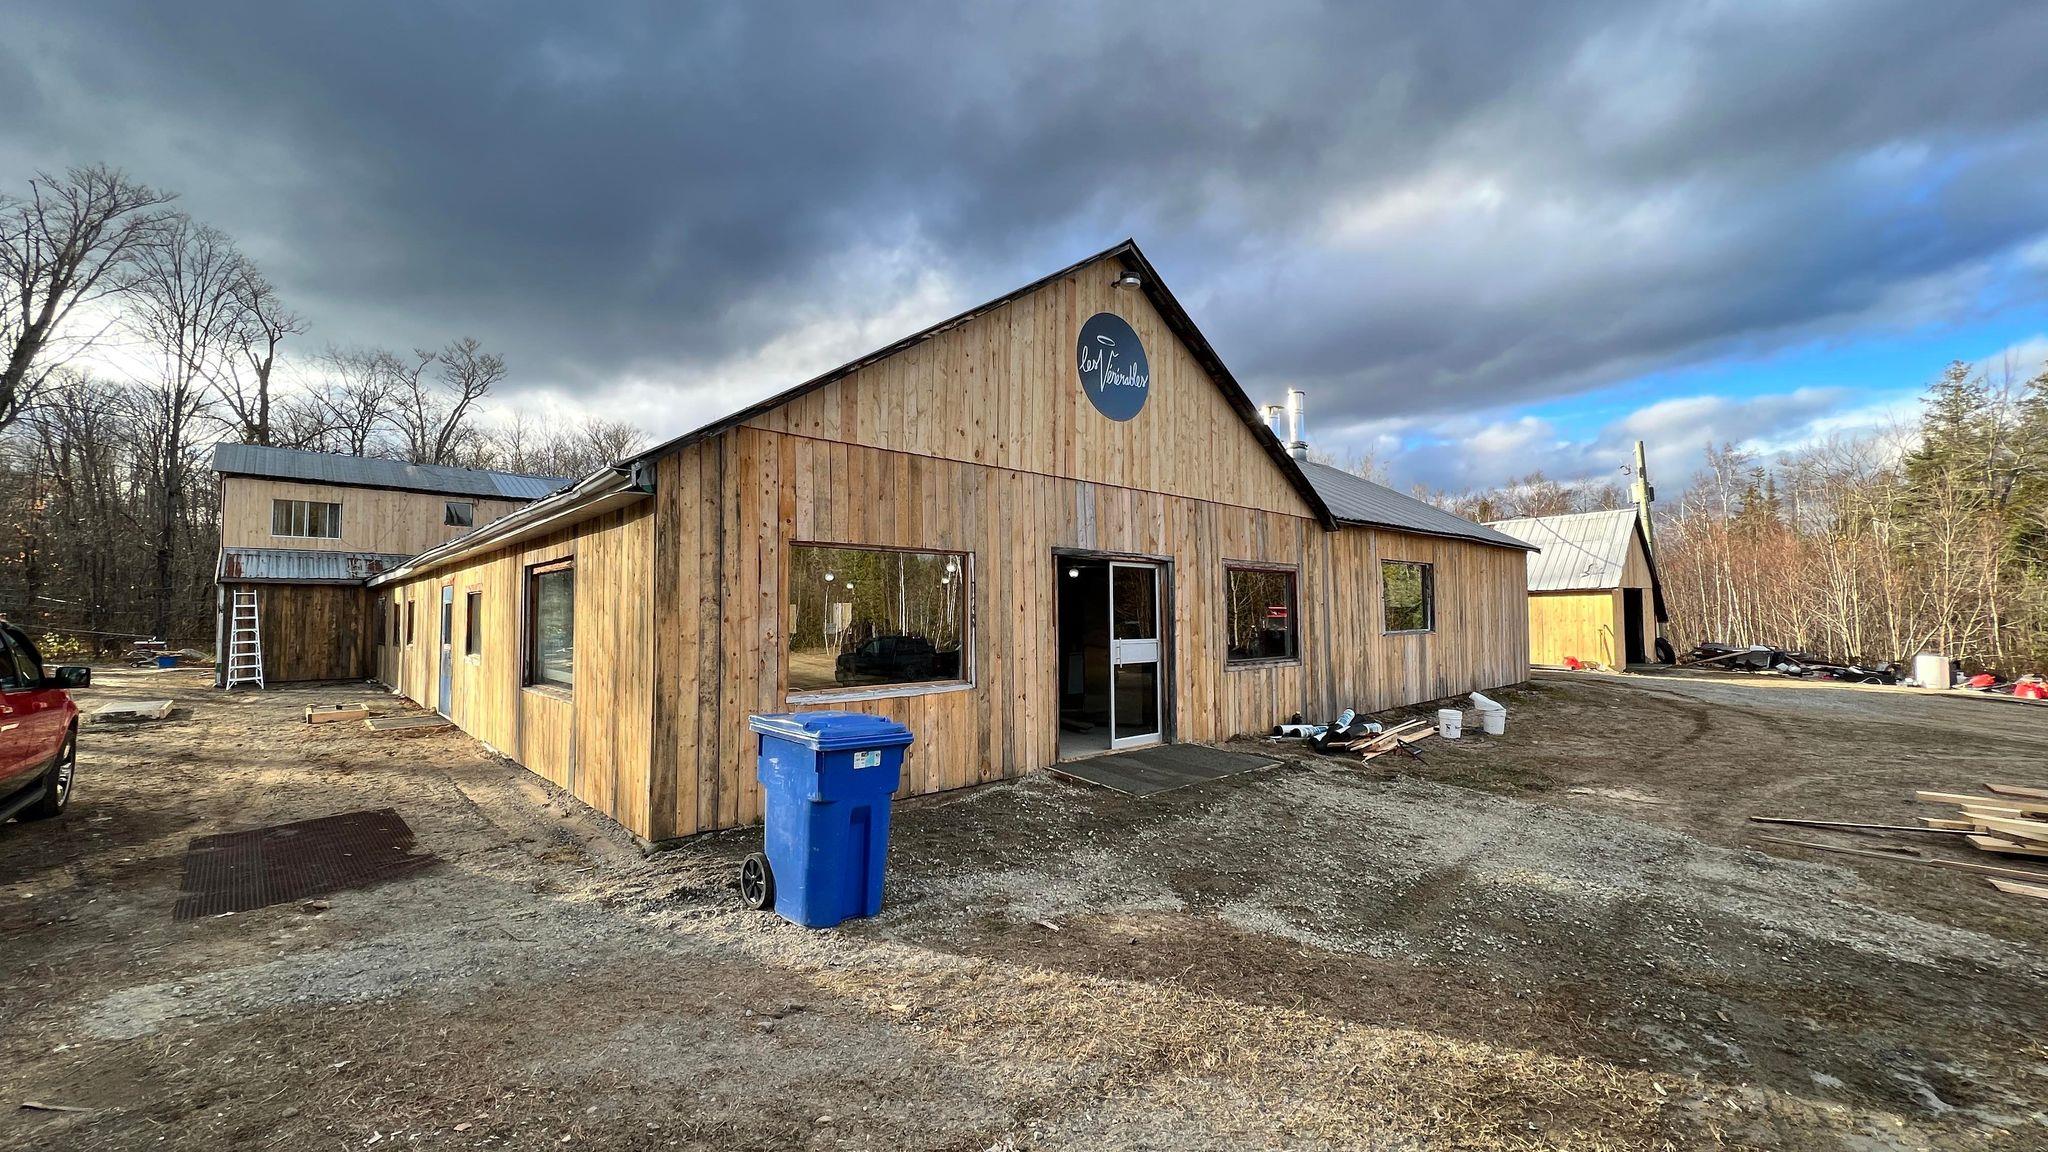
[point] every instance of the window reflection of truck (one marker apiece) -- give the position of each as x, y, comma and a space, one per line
895, 659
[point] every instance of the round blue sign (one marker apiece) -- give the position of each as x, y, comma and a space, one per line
1114, 371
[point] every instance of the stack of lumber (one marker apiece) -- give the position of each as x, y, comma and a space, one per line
2006, 820
2013, 822
1399, 738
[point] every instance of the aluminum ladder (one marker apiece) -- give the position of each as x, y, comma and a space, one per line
245, 639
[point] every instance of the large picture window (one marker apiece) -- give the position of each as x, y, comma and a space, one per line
551, 626
1261, 616
1408, 593
869, 617
315, 519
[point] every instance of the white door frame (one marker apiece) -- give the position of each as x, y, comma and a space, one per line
1136, 651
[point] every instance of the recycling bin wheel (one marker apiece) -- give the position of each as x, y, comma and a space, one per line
757, 882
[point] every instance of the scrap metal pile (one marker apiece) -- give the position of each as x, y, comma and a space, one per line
1786, 662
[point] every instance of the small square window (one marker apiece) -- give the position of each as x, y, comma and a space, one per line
1408, 596
459, 514
1260, 615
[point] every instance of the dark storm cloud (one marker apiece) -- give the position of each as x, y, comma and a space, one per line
1409, 207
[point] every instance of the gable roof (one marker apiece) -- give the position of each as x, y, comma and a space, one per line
1353, 499
362, 472
1176, 318
1583, 551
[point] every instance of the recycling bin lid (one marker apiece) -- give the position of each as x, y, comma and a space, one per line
829, 731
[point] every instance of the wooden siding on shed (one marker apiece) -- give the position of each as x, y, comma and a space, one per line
1582, 625
311, 631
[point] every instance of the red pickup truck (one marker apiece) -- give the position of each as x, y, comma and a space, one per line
38, 730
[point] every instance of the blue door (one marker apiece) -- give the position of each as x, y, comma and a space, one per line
444, 703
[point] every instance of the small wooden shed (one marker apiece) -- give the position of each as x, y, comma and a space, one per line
1594, 594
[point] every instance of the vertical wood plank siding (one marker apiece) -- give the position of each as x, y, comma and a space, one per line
977, 440
372, 519
311, 631
592, 740
793, 488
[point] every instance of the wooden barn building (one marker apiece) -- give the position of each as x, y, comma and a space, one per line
1050, 526
1594, 594
300, 532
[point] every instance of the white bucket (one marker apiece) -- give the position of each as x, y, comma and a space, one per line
1493, 721
1450, 723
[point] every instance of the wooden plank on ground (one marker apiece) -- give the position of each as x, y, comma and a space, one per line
330, 713
2037, 891
1950, 825
1966, 798
2017, 829
409, 720
2018, 790
2006, 847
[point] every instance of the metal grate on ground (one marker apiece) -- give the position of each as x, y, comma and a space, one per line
240, 871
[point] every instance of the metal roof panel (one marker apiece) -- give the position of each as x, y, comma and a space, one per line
1580, 551
1353, 499
303, 565
364, 472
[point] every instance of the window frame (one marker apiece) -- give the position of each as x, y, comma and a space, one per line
968, 626
529, 632
448, 508
472, 617
300, 516
1293, 574
412, 613
1428, 597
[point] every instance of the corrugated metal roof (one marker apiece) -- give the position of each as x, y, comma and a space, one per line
1353, 499
333, 468
304, 565
1583, 550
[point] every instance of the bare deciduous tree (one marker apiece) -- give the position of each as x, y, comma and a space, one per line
71, 243
185, 306
243, 377
434, 414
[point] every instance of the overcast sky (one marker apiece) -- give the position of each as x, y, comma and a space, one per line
1485, 238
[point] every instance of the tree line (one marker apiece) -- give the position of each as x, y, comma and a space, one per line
1932, 535
135, 338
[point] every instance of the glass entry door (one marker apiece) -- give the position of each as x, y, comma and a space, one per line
1134, 654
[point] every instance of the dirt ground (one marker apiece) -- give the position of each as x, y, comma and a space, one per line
1559, 938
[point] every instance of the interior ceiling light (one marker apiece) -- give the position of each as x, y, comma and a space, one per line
1071, 572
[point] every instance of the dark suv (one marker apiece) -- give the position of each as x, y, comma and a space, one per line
38, 730
888, 660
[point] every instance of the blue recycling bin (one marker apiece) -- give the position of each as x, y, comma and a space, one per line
826, 780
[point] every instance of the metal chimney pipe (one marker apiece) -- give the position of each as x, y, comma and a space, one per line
1270, 413
1297, 430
